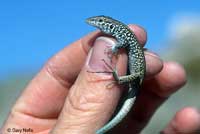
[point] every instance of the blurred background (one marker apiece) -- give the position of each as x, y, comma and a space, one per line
32, 31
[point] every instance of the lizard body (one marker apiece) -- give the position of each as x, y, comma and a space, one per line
136, 63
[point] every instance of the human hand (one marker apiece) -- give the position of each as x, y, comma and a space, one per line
64, 98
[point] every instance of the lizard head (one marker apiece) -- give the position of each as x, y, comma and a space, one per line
104, 23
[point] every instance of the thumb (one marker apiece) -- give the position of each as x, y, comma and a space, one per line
90, 103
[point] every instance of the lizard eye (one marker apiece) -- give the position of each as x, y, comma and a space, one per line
100, 20
111, 26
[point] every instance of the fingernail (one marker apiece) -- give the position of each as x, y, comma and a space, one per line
99, 52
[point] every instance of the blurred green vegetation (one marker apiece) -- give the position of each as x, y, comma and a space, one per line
183, 48
11, 88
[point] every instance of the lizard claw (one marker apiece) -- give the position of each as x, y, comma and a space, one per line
108, 52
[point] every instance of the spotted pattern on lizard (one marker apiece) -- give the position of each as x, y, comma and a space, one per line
136, 63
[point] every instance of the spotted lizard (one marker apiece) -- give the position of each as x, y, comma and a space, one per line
136, 63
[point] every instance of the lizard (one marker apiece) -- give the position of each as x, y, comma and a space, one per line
136, 63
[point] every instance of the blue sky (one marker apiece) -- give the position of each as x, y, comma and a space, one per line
32, 31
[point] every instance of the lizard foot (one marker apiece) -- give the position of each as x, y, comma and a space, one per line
108, 51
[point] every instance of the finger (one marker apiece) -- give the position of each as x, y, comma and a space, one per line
171, 78
153, 93
153, 64
186, 121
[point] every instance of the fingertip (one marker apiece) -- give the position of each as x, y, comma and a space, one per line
186, 120
174, 74
153, 64
140, 33
170, 79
